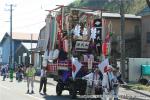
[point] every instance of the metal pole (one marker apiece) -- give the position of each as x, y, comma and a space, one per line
122, 39
31, 50
10, 61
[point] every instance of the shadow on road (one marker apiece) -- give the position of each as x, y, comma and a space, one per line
54, 97
65, 97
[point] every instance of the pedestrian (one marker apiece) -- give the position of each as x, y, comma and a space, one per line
93, 81
24, 72
43, 80
11, 74
4, 74
119, 76
30, 72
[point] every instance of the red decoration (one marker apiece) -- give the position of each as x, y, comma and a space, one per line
59, 22
73, 68
104, 48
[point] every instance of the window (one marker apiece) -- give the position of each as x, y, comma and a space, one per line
148, 37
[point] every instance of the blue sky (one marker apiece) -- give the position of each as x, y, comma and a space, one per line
28, 15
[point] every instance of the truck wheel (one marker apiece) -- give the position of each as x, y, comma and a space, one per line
82, 89
73, 91
59, 89
82, 92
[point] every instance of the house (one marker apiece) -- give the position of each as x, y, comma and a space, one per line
17, 39
0, 55
42, 42
23, 53
41, 47
145, 20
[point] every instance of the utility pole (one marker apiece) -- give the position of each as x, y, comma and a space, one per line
10, 56
122, 39
10, 60
31, 61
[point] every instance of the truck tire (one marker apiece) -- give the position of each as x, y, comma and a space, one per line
59, 89
82, 92
72, 91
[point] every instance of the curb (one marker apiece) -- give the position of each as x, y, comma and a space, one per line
140, 92
135, 90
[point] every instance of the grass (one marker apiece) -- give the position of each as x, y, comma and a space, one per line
139, 87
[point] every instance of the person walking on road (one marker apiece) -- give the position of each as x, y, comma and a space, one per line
30, 72
11, 74
4, 74
43, 80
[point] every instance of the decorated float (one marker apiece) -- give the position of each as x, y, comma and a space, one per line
75, 48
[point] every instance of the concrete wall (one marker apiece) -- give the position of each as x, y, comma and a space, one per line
135, 68
145, 28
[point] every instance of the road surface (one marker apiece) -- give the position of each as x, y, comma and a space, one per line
17, 91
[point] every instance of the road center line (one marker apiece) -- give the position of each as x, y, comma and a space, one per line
5, 87
37, 98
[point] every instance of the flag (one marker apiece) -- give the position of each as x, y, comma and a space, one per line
103, 64
107, 38
76, 65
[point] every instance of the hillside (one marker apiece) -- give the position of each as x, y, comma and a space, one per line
131, 6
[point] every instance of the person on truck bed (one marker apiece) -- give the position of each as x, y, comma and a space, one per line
55, 54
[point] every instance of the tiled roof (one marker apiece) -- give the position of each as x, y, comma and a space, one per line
118, 15
115, 15
24, 36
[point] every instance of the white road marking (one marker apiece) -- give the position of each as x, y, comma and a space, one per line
37, 98
5, 87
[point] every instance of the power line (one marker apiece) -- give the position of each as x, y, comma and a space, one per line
29, 18
29, 25
30, 12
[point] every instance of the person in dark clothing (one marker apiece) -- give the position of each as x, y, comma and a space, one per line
119, 77
62, 55
43, 80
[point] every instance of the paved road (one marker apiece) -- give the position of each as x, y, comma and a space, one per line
17, 91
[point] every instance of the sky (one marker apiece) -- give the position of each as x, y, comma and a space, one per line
28, 15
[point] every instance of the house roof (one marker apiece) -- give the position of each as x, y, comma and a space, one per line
24, 36
118, 15
115, 15
2, 35
21, 36
144, 12
28, 45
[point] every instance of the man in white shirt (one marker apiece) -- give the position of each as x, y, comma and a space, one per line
53, 55
43, 80
93, 81
110, 83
